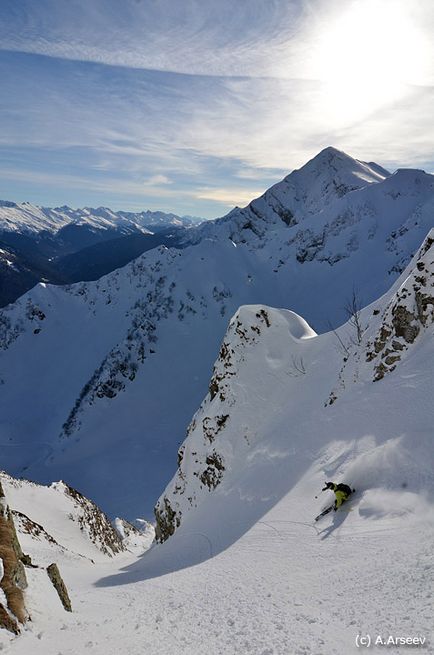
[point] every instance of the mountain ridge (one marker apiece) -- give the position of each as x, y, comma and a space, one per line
145, 337
228, 431
28, 218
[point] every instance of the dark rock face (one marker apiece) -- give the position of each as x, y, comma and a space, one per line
59, 585
407, 315
404, 324
167, 521
214, 471
212, 426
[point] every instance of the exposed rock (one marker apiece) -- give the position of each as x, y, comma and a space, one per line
214, 472
408, 313
95, 522
201, 460
213, 425
59, 585
167, 521
14, 577
7, 621
122, 363
27, 561
180, 454
28, 526
262, 314
404, 324
396, 327
396, 345
223, 368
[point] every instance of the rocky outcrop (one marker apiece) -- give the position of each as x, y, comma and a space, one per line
93, 520
201, 458
59, 585
167, 520
408, 313
27, 526
81, 529
122, 363
13, 579
389, 332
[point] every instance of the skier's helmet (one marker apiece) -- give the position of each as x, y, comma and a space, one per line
328, 485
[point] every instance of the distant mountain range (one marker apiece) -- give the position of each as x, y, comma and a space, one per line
26, 218
51, 245
100, 379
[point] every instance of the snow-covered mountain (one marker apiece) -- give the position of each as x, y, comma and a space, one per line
245, 568
110, 372
26, 218
287, 406
19, 272
58, 521
303, 193
64, 245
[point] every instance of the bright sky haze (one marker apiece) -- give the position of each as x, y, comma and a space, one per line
196, 106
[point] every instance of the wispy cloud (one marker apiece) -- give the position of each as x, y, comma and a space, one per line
229, 196
133, 195
105, 185
204, 104
157, 180
199, 37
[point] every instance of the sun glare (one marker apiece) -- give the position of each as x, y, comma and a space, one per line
366, 58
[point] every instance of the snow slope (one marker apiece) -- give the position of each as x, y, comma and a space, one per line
110, 372
276, 390
247, 570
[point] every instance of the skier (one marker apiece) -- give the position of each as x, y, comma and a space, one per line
342, 493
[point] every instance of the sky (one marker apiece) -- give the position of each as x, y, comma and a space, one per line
195, 106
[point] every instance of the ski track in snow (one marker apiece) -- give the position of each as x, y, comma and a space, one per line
286, 587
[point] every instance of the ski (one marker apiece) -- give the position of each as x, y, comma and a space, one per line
324, 512
329, 509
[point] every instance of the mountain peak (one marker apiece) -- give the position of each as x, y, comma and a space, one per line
335, 162
328, 176
331, 151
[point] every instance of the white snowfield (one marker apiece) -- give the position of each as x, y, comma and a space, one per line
247, 570
110, 372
